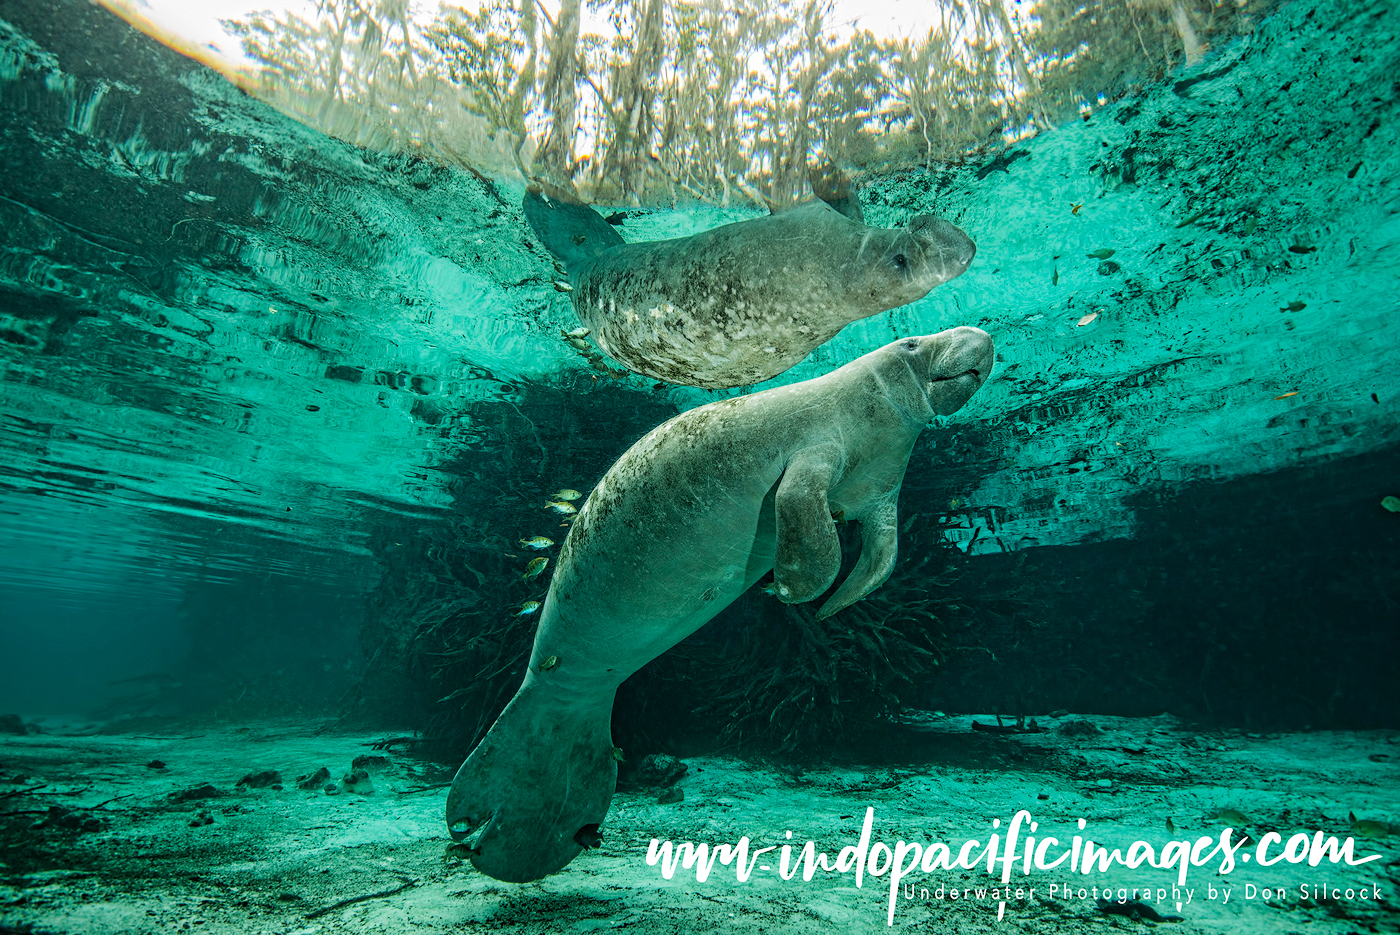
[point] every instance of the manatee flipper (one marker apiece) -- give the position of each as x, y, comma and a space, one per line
834, 187
535, 791
569, 229
879, 533
808, 551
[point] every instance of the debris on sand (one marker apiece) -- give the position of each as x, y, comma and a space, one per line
357, 781
314, 780
261, 779
1078, 727
204, 791
1135, 909
67, 819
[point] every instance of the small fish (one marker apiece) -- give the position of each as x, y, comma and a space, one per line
537, 542
536, 566
1086, 319
771, 589
578, 344
1074, 208
1366, 828
1230, 816
1392, 504
1299, 248
1055, 277
568, 493
617, 755
528, 608
1294, 307
1102, 253
1171, 826
1192, 219
954, 503
549, 663
560, 506
560, 286
1288, 394
579, 332
839, 516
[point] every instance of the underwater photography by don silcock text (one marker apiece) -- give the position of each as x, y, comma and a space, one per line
765, 467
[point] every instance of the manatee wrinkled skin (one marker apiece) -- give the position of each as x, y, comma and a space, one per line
685, 521
742, 303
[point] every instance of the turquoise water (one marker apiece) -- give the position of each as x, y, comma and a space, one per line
276, 411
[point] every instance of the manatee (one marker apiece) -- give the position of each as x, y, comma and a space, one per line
741, 303
682, 524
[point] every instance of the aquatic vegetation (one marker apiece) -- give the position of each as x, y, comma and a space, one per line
792, 683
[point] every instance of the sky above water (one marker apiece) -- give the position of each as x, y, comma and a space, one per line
198, 21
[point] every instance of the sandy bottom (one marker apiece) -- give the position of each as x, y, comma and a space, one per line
255, 860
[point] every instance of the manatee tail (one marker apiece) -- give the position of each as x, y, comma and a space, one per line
535, 791
570, 230
835, 187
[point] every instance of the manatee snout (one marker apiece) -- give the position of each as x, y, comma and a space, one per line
948, 251
960, 361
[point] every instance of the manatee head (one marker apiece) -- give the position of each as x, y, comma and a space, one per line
948, 367
905, 264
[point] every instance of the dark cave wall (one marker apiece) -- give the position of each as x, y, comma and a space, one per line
1266, 602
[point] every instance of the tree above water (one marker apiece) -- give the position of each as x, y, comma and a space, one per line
719, 100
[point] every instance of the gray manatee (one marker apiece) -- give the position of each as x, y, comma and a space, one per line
685, 521
744, 302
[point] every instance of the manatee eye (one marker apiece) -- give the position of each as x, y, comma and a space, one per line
900, 261
911, 345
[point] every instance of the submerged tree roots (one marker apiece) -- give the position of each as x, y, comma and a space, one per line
794, 682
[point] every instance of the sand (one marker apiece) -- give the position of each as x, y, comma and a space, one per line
270, 859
